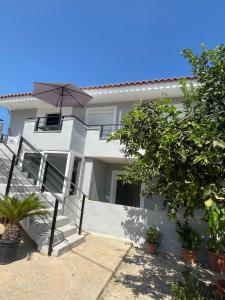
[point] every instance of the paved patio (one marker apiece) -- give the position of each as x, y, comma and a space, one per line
146, 277
78, 274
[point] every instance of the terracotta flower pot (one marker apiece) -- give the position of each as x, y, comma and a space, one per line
220, 284
189, 256
150, 248
216, 262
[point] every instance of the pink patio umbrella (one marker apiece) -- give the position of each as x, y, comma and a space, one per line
61, 94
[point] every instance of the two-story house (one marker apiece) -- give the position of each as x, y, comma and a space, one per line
79, 148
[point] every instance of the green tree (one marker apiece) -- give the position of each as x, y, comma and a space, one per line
181, 154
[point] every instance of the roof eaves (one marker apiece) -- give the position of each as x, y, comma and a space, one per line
113, 85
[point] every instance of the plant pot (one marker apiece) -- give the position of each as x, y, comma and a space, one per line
220, 285
189, 256
151, 248
216, 262
8, 251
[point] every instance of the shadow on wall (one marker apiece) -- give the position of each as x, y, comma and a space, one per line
138, 220
131, 223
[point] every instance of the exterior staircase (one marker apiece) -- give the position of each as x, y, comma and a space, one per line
39, 229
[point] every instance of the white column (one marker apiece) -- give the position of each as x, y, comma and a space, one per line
87, 175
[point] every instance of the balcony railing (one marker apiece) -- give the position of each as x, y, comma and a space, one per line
55, 123
48, 124
106, 130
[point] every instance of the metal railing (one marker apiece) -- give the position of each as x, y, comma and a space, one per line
16, 160
44, 124
107, 130
4, 137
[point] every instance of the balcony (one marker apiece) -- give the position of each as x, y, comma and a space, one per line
68, 133
56, 134
96, 144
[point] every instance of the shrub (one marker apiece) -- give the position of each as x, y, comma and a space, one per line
188, 236
191, 288
153, 235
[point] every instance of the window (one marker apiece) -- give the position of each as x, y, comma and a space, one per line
52, 119
101, 115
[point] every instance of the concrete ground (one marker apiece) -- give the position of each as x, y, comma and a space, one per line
78, 274
145, 277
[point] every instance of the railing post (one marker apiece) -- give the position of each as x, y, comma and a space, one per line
81, 214
10, 175
37, 124
50, 247
19, 150
101, 131
45, 166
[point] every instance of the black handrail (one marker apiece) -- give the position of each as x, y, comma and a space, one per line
45, 159
19, 180
35, 177
53, 227
14, 163
79, 120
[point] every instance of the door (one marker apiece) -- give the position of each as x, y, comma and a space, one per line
127, 194
75, 175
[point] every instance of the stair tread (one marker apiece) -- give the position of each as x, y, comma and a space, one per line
50, 220
66, 227
67, 244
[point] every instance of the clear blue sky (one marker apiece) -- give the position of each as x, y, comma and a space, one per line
90, 42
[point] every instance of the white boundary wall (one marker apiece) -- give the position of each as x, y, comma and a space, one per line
130, 223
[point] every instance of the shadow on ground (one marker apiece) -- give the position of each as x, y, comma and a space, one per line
25, 250
153, 276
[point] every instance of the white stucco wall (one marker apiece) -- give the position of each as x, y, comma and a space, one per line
98, 181
18, 118
71, 137
94, 147
131, 223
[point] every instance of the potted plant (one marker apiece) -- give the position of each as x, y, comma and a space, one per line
190, 241
215, 253
152, 239
14, 211
215, 217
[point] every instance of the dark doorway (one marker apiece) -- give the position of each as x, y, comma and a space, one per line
128, 194
75, 175
54, 172
31, 165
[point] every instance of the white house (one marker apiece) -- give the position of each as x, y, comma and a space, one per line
79, 149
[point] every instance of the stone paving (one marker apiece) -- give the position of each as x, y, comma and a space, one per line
78, 274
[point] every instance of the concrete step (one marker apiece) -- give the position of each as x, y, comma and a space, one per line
69, 243
14, 188
49, 203
51, 210
17, 180
5, 162
47, 222
65, 231
16, 173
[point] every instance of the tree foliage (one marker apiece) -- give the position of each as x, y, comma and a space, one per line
180, 154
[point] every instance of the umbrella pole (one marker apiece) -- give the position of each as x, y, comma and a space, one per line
60, 111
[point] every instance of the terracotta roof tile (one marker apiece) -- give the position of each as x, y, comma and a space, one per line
112, 85
136, 82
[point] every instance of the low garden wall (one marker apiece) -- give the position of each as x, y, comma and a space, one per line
130, 223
